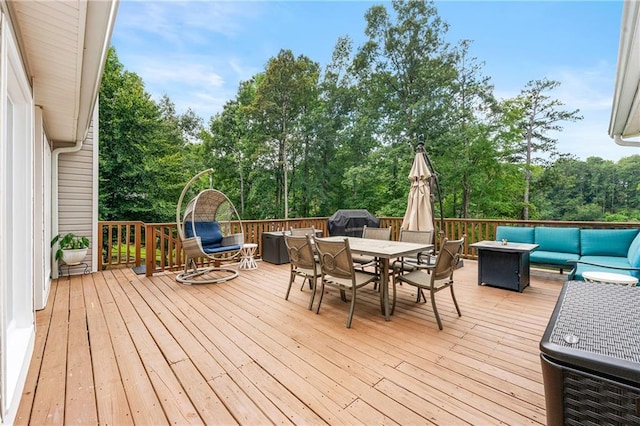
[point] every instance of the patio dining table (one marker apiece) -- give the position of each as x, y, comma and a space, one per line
385, 250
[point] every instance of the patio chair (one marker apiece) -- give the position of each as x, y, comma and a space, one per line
439, 278
362, 261
311, 231
337, 270
303, 263
409, 264
209, 227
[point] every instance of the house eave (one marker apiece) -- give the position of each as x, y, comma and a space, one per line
64, 46
624, 126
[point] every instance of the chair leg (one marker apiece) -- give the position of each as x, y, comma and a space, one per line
291, 278
435, 309
393, 303
320, 300
455, 302
343, 295
352, 308
313, 291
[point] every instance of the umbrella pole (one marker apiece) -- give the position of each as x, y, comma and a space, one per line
421, 149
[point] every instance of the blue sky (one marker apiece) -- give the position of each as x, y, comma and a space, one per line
197, 52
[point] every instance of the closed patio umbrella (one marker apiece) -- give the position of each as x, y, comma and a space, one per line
419, 214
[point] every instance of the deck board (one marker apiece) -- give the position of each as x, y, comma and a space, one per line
111, 399
80, 405
49, 400
117, 348
143, 401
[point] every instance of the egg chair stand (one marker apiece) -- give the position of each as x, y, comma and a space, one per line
209, 229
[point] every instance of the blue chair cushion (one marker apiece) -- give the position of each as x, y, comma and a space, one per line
564, 240
220, 249
606, 242
209, 233
516, 234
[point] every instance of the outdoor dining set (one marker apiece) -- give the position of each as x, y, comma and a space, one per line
350, 263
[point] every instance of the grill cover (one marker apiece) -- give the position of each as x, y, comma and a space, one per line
351, 222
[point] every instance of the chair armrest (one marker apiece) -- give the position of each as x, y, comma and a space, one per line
232, 240
575, 263
425, 257
192, 246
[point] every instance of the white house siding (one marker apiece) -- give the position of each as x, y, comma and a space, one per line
77, 195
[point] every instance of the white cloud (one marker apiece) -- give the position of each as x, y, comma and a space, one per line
180, 20
184, 70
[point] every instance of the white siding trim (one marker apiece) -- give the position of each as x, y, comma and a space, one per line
96, 181
42, 233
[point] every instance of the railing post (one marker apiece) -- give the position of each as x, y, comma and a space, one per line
150, 250
138, 240
99, 246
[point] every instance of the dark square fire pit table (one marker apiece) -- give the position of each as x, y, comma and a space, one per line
503, 264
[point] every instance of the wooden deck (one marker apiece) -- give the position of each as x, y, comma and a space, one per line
118, 348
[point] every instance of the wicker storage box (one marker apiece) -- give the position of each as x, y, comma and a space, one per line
591, 356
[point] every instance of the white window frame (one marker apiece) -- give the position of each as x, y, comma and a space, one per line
17, 315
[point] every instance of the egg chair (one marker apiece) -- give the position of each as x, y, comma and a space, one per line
210, 229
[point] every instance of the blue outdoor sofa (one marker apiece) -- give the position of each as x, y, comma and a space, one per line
611, 250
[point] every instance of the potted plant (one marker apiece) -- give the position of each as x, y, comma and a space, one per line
71, 249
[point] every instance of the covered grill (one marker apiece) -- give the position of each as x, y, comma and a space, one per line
351, 222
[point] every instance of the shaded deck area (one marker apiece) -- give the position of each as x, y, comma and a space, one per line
118, 348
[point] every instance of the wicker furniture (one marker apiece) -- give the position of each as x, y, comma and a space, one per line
209, 227
591, 356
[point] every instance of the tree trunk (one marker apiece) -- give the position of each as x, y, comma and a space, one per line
527, 181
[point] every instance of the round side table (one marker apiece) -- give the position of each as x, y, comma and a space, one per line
609, 278
247, 260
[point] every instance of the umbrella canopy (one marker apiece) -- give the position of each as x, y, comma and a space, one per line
419, 215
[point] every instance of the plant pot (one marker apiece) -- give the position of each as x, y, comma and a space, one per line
73, 257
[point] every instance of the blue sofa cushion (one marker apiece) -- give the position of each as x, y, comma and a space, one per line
633, 255
516, 234
563, 240
606, 242
553, 258
604, 260
209, 233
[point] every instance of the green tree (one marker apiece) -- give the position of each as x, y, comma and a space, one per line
128, 120
541, 115
471, 146
143, 149
282, 97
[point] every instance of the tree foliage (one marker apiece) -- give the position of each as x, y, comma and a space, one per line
144, 149
301, 141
